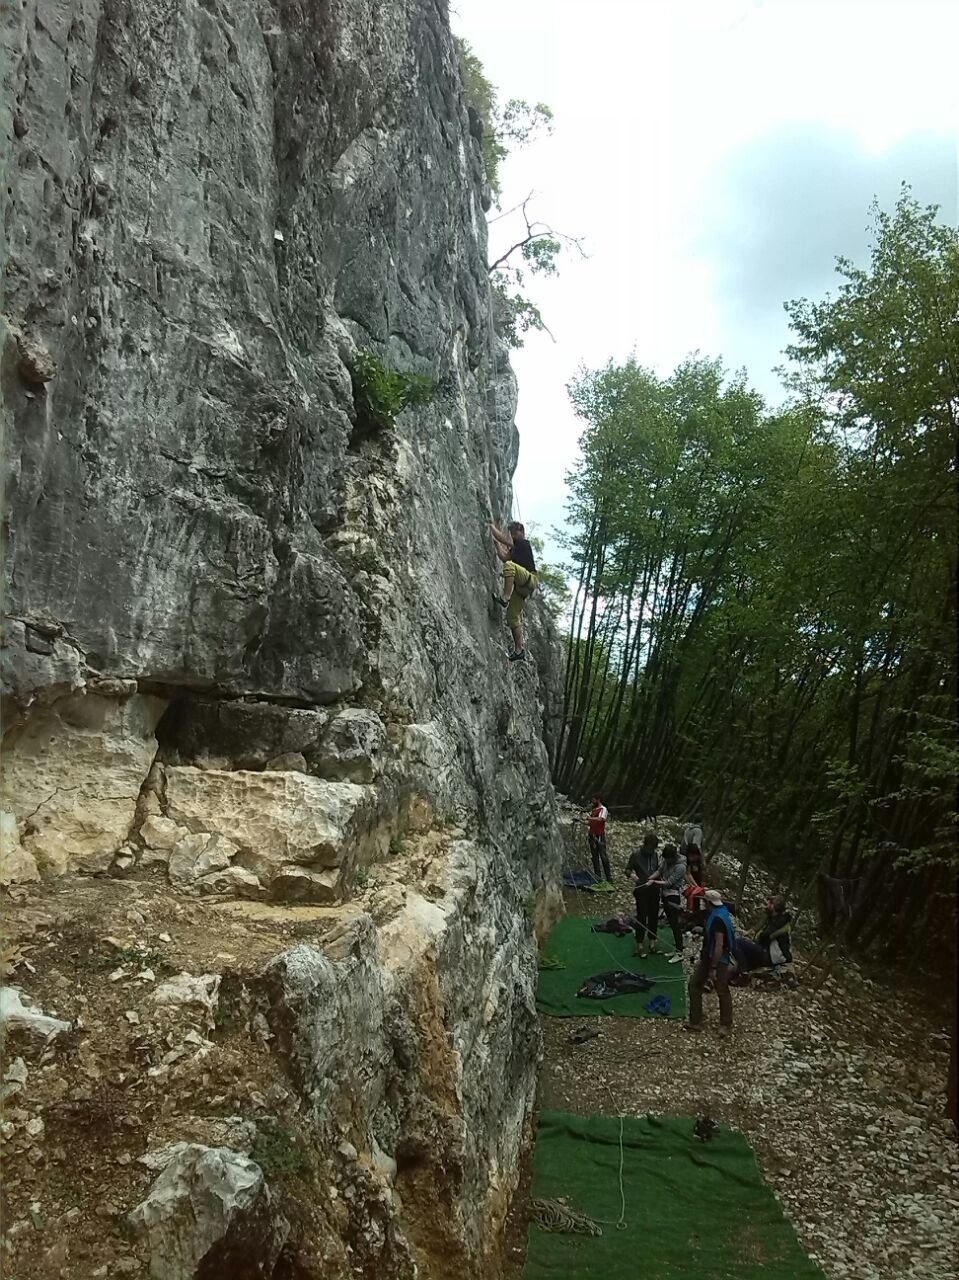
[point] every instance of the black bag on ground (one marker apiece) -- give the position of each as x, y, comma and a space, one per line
616, 982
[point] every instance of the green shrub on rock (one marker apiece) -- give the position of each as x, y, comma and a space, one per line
380, 393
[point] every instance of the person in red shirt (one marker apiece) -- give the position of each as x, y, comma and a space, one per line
597, 839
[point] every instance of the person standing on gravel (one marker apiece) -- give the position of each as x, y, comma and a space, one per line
643, 866
671, 877
596, 823
693, 835
715, 965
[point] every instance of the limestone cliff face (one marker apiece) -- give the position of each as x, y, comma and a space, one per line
251, 648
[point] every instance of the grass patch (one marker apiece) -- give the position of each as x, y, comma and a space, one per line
280, 1153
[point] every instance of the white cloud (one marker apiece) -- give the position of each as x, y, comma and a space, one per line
713, 153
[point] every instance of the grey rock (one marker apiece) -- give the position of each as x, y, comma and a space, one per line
113, 688
35, 665
298, 884
353, 741
476, 123
248, 733
35, 364
235, 881
209, 1211
290, 761
37, 642
191, 507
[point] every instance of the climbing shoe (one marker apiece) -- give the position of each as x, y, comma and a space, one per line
582, 1034
675, 958
518, 657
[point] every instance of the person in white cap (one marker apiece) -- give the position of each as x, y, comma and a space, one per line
715, 964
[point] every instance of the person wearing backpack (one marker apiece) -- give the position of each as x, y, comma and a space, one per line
715, 965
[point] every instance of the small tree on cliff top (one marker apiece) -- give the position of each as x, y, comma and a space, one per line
536, 245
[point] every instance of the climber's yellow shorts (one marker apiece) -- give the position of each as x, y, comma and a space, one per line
524, 584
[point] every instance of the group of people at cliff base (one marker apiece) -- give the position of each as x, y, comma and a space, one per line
673, 880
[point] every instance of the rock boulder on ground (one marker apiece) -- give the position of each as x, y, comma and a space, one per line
210, 1205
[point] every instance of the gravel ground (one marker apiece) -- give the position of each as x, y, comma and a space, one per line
840, 1089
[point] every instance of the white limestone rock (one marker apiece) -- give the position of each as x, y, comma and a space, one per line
15, 1016
186, 989
160, 834
208, 1203
72, 774
234, 881
16, 865
195, 856
278, 818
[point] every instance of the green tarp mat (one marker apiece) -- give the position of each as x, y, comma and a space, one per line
694, 1210
583, 954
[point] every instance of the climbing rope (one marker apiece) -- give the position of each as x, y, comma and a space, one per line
621, 1224
497, 400
553, 1215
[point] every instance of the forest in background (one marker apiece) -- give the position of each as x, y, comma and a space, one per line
763, 623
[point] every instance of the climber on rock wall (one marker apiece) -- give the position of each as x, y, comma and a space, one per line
519, 579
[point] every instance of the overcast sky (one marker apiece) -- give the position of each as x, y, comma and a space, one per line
716, 156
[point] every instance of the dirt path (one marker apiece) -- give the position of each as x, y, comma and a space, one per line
841, 1092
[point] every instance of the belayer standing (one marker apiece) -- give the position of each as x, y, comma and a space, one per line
671, 876
597, 819
643, 866
519, 579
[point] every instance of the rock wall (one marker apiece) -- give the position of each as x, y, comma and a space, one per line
251, 648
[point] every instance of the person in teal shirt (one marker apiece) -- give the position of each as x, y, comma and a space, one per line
715, 965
